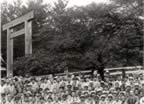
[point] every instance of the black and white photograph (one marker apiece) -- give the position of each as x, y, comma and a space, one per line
71, 52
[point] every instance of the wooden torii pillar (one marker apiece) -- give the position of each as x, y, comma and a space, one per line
27, 31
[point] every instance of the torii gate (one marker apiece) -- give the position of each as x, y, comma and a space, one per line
27, 31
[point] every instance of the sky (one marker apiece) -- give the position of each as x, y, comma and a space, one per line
71, 2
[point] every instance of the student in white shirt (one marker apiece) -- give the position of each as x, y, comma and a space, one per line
3, 100
110, 99
17, 100
3, 87
102, 99
82, 99
74, 97
64, 100
9, 99
90, 100
56, 100
28, 99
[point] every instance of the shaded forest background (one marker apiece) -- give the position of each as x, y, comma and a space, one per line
75, 38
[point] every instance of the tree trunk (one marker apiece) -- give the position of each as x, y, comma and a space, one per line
101, 66
92, 71
101, 72
123, 74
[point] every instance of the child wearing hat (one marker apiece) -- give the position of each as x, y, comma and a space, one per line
17, 99
9, 99
102, 99
82, 99
110, 99
90, 100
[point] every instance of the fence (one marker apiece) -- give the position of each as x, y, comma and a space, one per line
115, 71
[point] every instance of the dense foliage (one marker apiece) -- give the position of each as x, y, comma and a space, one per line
77, 38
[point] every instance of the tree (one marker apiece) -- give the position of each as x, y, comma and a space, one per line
85, 36
130, 7
131, 32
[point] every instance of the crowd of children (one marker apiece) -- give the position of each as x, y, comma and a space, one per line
73, 89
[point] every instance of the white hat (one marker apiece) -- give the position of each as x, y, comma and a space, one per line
99, 89
110, 95
122, 92
142, 82
102, 96
130, 77
105, 92
136, 84
128, 84
142, 100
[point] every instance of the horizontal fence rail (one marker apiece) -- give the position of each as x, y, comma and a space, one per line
114, 71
